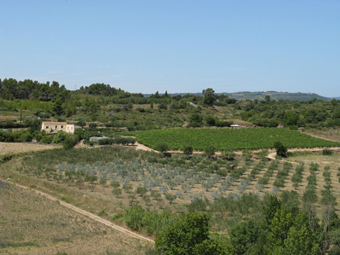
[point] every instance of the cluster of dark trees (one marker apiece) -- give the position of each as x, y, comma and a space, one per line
11, 89
311, 113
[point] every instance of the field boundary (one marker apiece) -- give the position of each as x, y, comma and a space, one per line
88, 214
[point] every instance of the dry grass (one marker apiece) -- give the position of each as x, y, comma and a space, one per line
329, 133
15, 148
8, 118
31, 224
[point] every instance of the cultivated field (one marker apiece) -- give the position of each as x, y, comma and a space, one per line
15, 148
125, 177
230, 139
32, 224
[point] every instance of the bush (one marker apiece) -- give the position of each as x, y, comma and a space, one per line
280, 149
162, 147
210, 121
134, 217
69, 142
187, 150
327, 152
59, 137
209, 151
228, 155
189, 236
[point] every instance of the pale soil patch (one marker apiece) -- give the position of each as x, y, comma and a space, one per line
328, 134
30, 223
14, 148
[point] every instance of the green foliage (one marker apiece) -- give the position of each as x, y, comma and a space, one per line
209, 97
327, 152
195, 120
244, 235
141, 190
209, 151
69, 142
228, 155
187, 150
263, 154
162, 147
13, 89
229, 139
291, 118
60, 137
117, 192
247, 155
280, 149
153, 223
272, 204
189, 236
210, 121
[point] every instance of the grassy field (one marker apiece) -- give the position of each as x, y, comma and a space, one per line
31, 224
230, 139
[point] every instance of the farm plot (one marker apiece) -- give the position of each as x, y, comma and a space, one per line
31, 224
126, 177
14, 148
230, 139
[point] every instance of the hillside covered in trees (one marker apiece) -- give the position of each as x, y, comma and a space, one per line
115, 108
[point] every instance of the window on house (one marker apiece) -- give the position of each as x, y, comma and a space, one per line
62, 126
46, 127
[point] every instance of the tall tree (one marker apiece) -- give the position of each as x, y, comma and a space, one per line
209, 97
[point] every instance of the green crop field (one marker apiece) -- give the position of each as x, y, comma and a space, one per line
234, 139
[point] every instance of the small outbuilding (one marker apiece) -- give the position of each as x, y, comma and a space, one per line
235, 126
95, 139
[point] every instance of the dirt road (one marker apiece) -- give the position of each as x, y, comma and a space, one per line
90, 215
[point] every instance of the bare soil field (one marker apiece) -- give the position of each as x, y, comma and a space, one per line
15, 148
33, 224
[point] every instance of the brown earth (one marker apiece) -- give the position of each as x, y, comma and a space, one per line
15, 148
33, 222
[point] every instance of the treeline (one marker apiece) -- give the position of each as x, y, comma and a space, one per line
271, 113
11, 89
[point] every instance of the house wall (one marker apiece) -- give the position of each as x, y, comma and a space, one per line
55, 127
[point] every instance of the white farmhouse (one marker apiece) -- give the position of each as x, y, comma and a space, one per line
54, 127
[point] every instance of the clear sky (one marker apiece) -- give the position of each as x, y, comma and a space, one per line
174, 45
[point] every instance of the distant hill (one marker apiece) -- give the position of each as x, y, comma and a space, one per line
276, 95
261, 95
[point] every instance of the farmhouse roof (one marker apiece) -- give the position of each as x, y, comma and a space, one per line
55, 123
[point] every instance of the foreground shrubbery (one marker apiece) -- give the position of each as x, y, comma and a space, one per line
281, 230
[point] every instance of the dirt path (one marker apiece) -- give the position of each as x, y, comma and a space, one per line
90, 215
139, 146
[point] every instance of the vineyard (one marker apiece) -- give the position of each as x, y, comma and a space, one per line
230, 139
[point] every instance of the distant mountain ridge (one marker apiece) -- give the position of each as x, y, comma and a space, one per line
260, 95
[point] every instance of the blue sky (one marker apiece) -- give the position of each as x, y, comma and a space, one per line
174, 45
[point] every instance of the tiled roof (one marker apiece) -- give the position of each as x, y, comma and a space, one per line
55, 123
